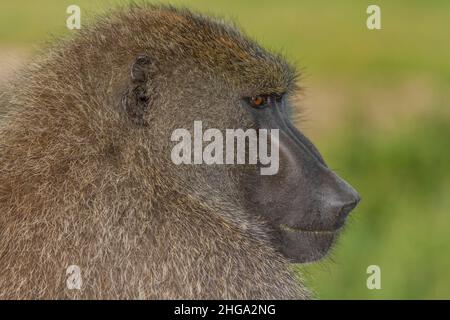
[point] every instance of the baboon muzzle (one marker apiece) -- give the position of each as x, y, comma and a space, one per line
305, 202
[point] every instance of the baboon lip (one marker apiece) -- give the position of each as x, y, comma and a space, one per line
299, 230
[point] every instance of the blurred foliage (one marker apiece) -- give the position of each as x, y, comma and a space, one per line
402, 173
326, 36
402, 223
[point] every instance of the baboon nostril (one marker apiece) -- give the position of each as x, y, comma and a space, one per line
346, 208
348, 199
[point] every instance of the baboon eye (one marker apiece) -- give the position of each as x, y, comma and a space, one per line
258, 101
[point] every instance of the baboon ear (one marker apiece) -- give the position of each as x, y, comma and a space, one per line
140, 68
136, 99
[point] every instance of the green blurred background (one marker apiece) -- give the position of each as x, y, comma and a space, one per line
375, 102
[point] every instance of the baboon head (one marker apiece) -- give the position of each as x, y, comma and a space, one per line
87, 176
195, 69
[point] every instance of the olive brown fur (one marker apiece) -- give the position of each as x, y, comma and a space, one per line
85, 171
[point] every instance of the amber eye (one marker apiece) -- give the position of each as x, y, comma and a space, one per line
257, 101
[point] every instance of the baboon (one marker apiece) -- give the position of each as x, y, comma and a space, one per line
86, 177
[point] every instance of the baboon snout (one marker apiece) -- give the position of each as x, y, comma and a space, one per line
338, 199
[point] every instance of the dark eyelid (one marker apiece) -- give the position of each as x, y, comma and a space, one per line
267, 97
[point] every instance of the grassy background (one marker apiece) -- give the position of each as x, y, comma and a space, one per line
375, 102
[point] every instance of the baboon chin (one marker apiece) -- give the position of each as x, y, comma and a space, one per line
87, 180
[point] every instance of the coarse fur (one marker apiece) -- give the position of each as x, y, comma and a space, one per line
82, 184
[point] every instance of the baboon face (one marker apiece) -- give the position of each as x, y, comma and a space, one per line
229, 82
305, 203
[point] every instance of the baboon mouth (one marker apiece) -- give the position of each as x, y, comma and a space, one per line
300, 245
300, 230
